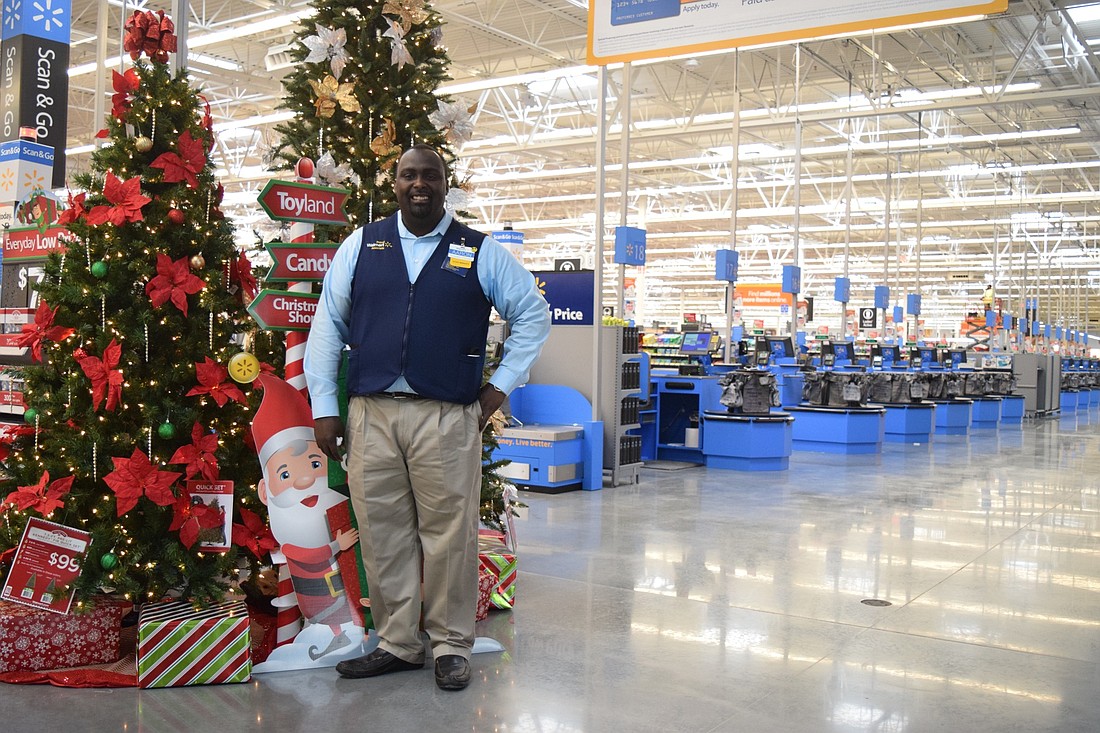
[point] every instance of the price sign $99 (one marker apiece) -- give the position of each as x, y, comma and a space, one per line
64, 562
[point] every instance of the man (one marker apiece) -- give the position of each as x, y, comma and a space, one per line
296, 493
410, 297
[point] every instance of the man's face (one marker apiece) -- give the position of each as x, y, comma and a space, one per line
421, 189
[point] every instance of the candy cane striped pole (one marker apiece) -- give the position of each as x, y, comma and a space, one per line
288, 620
296, 340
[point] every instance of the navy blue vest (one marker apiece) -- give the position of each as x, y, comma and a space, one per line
432, 332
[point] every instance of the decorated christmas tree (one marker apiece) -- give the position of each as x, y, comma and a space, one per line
364, 90
139, 320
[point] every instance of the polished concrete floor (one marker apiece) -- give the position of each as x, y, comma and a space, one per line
726, 601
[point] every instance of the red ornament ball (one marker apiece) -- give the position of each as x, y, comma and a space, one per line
80, 353
176, 216
304, 168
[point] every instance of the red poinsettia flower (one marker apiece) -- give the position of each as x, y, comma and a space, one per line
184, 165
213, 378
8, 434
189, 518
199, 456
125, 85
137, 476
40, 497
254, 534
149, 33
42, 330
174, 281
106, 379
75, 211
127, 200
240, 275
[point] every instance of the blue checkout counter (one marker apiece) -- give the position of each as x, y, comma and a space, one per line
685, 421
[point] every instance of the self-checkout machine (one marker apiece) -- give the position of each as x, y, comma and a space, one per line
910, 416
954, 411
744, 432
835, 418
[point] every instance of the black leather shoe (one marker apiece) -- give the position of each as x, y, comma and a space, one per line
452, 672
377, 662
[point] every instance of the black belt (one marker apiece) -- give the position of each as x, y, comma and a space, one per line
330, 585
399, 395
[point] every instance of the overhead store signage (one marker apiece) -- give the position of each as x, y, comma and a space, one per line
842, 289
304, 202
725, 265
792, 279
628, 30
569, 295
629, 246
279, 310
34, 77
882, 296
300, 262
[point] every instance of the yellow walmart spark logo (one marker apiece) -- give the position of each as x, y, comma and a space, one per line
7, 180
541, 285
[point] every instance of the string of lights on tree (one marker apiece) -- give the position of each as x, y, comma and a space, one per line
128, 395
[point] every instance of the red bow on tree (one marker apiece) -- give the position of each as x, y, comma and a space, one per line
75, 211
41, 498
212, 377
106, 380
185, 165
240, 274
199, 456
151, 33
191, 518
135, 477
42, 330
127, 200
253, 534
174, 281
125, 84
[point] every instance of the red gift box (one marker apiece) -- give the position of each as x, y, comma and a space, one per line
33, 639
486, 582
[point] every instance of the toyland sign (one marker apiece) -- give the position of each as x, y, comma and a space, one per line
279, 310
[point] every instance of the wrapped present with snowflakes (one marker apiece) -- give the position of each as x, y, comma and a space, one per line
180, 645
32, 639
486, 584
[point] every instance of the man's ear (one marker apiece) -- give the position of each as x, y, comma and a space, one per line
261, 489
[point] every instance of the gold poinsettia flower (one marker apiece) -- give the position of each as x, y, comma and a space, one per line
331, 93
383, 145
411, 12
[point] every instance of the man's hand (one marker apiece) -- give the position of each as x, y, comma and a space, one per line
490, 399
327, 431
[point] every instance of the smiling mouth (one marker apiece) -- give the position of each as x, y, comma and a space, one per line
310, 501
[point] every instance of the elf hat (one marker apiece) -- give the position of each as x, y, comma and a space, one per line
283, 417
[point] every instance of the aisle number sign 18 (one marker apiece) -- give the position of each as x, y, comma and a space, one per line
629, 246
46, 565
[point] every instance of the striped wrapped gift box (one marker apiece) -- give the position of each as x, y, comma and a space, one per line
179, 645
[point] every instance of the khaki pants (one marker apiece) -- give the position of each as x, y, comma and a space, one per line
414, 472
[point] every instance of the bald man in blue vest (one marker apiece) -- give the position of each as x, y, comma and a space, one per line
409, 297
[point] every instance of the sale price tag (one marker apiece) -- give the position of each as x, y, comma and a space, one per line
46, 564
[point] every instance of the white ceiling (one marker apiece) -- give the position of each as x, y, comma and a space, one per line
981, 138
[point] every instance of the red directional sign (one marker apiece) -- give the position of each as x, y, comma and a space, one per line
304, 202
278, 310
300, 261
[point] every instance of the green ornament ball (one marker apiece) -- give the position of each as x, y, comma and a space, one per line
30, 415
99, 269
167, 430
108, 561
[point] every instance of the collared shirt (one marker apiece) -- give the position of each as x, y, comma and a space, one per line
506, 285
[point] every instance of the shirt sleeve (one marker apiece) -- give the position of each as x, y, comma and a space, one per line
513, 292
328, 334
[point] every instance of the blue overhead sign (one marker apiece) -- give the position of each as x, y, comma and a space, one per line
842, 290
569, 295
912, 304
882, 296
792, 279
49, 19
725, 265
629, 246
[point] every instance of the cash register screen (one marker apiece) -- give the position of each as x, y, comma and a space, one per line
843, 350
695, 344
